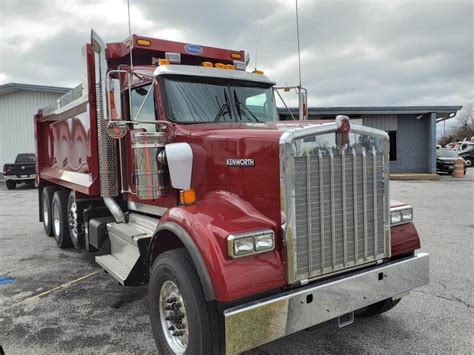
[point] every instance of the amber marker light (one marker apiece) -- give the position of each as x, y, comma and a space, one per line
163, 61
187, 197
207, 64
230, 66
144, 42
256, 71
236, 56
220, 66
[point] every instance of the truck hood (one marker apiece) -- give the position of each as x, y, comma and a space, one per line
218, 146
247, 129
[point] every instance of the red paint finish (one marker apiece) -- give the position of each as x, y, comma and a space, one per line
66, 143
118, 53
209, 222
404, 239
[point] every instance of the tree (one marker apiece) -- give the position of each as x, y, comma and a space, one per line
466, 120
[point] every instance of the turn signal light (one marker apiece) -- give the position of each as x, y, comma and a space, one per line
207, 64
187, 197
163, 61
144, 42
220, 65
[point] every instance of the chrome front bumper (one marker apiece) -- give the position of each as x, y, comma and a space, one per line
21, 178
253, 324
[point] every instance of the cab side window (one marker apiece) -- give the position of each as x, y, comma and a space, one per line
147, 113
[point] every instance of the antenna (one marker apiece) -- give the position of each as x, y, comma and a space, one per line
298, 40
130, 34
258, 43
130, 75
301, 96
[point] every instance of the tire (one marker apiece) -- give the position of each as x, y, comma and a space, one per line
46, 201
75, 227
10, 184
378, 308
59, 219
203, 325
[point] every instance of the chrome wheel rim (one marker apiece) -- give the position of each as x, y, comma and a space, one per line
468, 162
56, 221
45, 213
173, 317
72, 220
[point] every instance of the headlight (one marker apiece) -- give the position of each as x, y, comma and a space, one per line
400, 215
395, 217
243, 244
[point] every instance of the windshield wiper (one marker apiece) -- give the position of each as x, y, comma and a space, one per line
242, 108
225, 106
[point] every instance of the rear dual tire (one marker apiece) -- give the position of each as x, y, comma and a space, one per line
60, 219
46, 202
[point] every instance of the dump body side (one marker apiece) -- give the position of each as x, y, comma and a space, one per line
66, 137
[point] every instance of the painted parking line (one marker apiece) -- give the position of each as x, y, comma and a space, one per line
45, 293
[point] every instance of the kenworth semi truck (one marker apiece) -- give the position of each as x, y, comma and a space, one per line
169, 162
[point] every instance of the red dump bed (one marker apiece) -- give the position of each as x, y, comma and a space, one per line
66, 132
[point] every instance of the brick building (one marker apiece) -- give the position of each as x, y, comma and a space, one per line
412, 130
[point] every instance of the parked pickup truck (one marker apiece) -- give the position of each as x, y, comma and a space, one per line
22, 171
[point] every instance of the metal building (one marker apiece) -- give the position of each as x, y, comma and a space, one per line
18, 104
412, 130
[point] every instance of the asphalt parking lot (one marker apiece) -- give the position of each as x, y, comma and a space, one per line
61, 301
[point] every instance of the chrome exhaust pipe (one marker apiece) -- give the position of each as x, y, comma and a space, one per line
115, 209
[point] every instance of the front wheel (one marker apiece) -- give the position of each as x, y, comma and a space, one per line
378, 308
10, 184
182, 321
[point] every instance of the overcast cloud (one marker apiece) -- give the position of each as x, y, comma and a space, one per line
352, 52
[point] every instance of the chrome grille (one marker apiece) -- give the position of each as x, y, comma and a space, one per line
336, 203
334, 230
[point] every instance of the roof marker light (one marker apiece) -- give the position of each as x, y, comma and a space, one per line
143, 42
220, 66
163, 61
256, 71
230, 66
174, 58
239, 65
236, 56
207, 64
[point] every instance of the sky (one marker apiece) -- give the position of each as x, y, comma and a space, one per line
352, 52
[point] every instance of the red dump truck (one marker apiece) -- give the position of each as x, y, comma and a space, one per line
169, 162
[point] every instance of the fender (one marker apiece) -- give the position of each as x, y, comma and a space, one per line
203, 229
190, 246
404, 238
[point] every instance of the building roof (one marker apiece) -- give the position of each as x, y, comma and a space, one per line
443, 112
14, 87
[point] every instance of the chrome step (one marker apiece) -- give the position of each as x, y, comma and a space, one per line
126, 241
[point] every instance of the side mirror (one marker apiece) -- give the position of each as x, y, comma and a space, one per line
117, 129
115, 103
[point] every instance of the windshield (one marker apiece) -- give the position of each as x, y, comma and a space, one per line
199, 101
25, 158
446, 153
